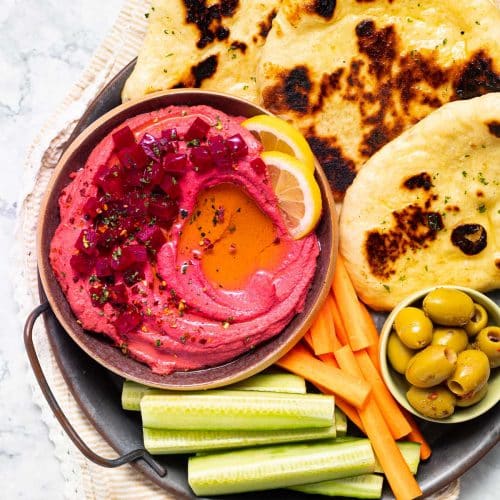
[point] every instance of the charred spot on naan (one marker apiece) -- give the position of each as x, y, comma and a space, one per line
471, 239
477, 77
209, 19
323, 8
291, 92
414, 227
422, 180
339, 169
266, 25
494, 128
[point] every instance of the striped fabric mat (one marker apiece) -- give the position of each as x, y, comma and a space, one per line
83, 479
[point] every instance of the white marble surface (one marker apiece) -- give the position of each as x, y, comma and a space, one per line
44, 45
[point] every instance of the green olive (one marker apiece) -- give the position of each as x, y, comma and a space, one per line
478, 320
431, 366
399, 355
435, 402
472, 399
413, 327
448, 306
471, 372
453, 338
488, 341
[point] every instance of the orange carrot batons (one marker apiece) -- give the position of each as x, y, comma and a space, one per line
401, 480
351, 388
349, 307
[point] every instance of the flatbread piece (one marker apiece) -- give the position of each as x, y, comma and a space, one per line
425, 209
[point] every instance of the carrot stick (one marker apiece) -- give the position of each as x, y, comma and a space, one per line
372, 331
337, 321
416, 436
308, 339
323, 333
347, 408
348, 305
397, 423
353, 389
403, 484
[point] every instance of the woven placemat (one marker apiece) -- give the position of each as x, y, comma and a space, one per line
83, 479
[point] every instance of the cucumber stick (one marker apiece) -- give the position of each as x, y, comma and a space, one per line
340, 422
363, 486
132, 392
227, 410
169, 442
278, 466
272, 382
411, 454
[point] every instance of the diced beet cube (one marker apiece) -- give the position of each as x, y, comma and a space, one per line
175, 163
87, 242
136, 206
133, 177
133, 275
164, 210
171, 187
153, 175
152, 237
128, 321
151, 146
125, 257
99, 294
109, 238
91, 208
133, 157
220, 152
103, 267
110, 180
197, 130
82, 264
123, 138
259, 166
167, 146
201, 158
170, 134
136, 253
117, 294
237, 146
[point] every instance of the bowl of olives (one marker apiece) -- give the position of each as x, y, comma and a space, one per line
440, 354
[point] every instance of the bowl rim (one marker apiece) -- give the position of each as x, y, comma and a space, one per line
388, 373
60, 168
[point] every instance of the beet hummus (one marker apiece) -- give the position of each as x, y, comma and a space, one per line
116, 251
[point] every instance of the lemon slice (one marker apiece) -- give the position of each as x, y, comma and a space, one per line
276, 134
299, 197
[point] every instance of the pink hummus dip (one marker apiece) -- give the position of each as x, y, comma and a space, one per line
115, 252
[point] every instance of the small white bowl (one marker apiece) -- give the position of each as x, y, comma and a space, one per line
397, 383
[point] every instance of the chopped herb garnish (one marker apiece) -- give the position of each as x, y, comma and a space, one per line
158, 342
481, 179
481, 208
387, 288
193, 143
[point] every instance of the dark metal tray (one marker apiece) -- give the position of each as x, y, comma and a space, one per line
455, 447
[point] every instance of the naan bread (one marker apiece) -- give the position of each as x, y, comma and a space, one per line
209, 44
425, 209
354, 74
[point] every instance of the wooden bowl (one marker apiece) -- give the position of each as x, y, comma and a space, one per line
97, 346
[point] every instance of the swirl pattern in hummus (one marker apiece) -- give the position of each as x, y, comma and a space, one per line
187, 322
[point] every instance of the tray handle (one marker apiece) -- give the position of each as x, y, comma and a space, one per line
61, 417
